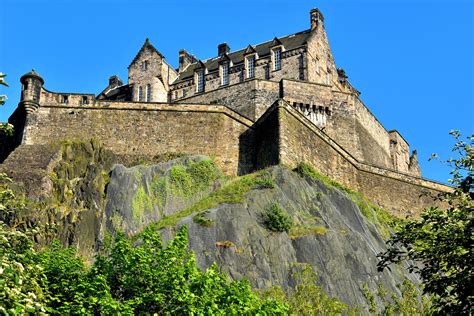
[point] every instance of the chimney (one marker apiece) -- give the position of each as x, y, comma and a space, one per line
115, 81
223, 49
317, 18
185, 59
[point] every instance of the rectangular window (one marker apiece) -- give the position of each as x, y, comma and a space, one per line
224, 74
267, 71
65, 99
184, 93
328, 78
84, 100
251, 67
148, 93
317, 65
277, 59
200, 81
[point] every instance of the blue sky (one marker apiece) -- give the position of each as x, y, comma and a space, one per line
413, 60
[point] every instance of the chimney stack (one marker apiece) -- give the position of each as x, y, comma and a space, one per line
223, 49
185, 59
317, 18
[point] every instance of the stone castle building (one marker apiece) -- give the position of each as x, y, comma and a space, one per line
281, 101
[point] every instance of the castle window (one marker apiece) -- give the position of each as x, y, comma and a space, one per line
250, 67
148, 93
225, 74
25, 86
317, 65
65, 99
145, 65
277, 58
200, 81
301, 62
176, 94
84, 100
267, 72
184, 93
140, 94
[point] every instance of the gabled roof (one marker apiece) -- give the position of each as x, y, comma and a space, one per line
289, 42
146, 45
249, 50
276, 42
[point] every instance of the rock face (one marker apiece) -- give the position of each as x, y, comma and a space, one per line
329, 232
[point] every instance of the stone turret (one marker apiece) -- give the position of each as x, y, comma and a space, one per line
31, 91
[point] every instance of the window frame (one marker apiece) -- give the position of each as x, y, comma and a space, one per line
148, 93
250, 71
277, 61
140, 94
224, 74
200, 79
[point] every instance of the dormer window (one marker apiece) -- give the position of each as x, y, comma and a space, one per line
250, 66
200, 81
140, 94
224, 74
65, 99
277, 58
148, 93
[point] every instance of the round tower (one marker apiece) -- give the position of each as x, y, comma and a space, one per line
31, 84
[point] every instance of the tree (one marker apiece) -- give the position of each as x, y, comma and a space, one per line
5, 127
439, 244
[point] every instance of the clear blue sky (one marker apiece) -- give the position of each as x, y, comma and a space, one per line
412, 60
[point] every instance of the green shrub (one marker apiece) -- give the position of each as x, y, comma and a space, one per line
202, 220
276, 219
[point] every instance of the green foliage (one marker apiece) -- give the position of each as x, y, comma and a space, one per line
383, 220
195, 177
306, 297
202, 220
5, 127
233, 192
141, 202
298, 231
22, 280
410, 302
439, 243
276, 219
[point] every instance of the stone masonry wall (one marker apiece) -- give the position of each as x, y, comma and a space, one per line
301, 141
146, 129
251, 98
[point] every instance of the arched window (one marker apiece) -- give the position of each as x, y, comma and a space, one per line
140, 94
148, 93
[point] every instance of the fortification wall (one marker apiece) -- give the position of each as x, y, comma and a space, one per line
299, 140
251, 98
148, 129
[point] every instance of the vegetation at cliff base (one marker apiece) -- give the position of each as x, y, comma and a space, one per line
142, 278
439, 244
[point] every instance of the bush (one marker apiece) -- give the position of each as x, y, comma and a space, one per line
276, 219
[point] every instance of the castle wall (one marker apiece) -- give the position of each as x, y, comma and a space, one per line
147, 129
299, 141
373, 137
251, 98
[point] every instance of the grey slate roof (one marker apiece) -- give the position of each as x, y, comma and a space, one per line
289, 42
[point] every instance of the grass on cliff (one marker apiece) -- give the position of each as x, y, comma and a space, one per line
183, 180
232, 193
383, 220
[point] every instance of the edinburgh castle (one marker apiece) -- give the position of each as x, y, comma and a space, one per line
283, 101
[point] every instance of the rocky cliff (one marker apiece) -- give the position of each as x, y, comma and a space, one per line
336, 231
